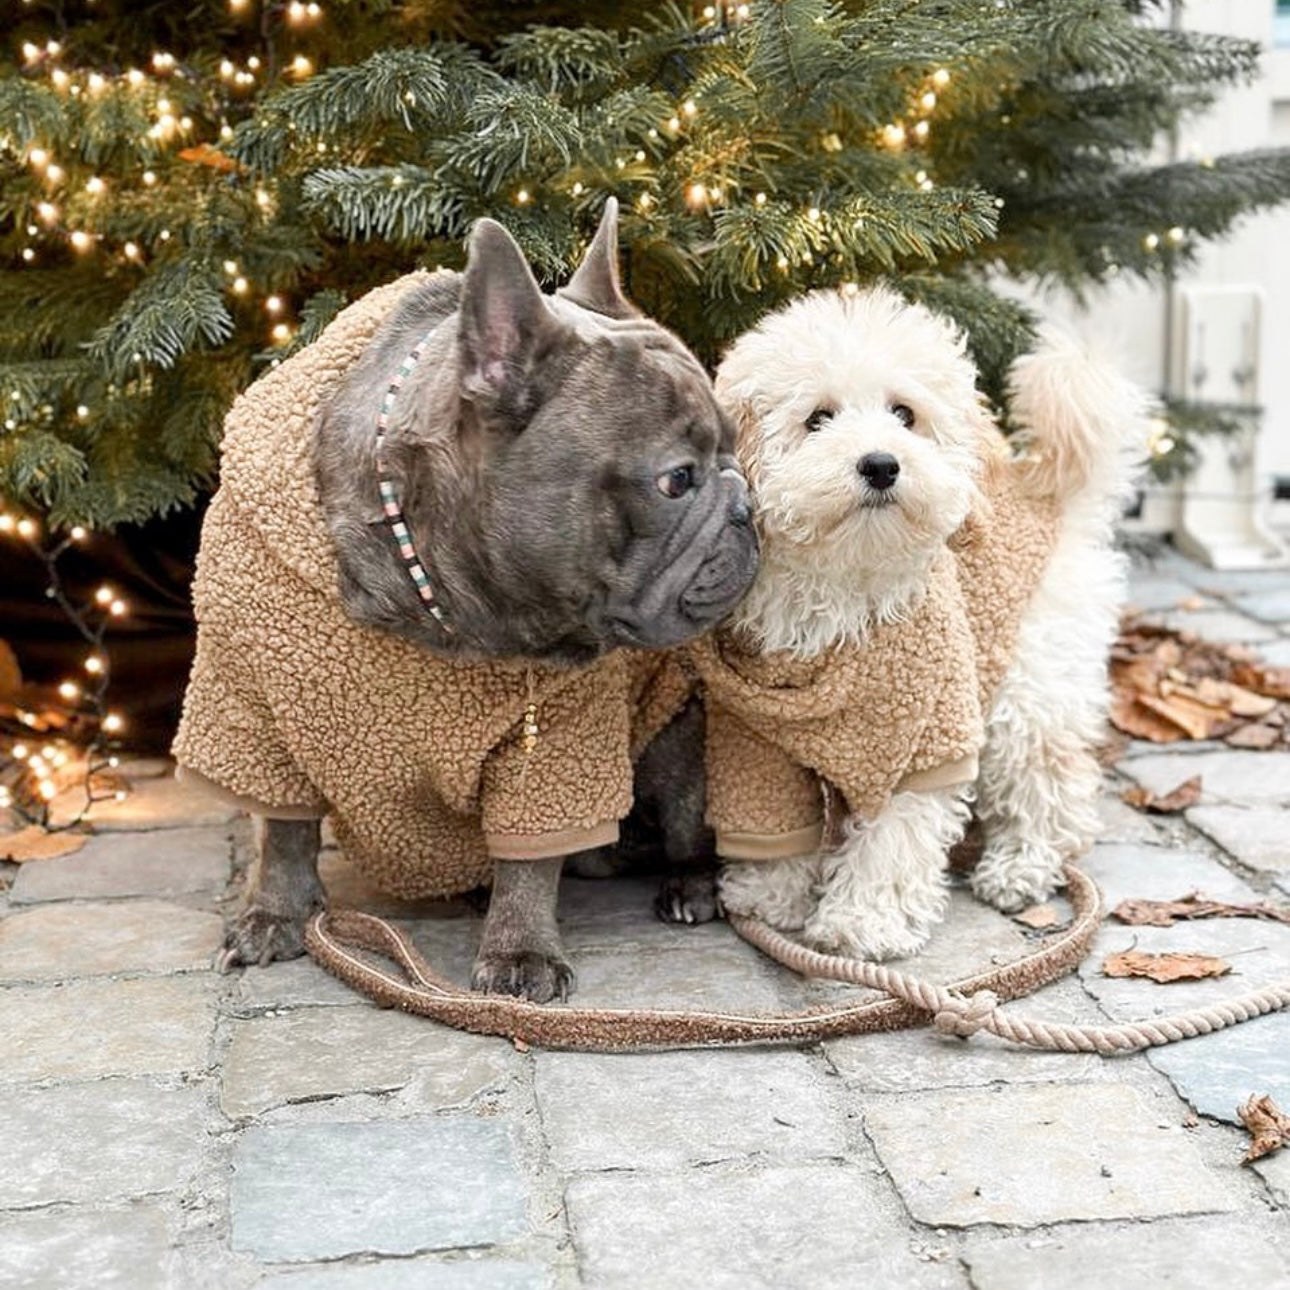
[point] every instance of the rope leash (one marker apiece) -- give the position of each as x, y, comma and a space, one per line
961, 1008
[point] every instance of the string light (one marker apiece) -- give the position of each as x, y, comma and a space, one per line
95, 186
301, 66
893, 135
149, 178
135, 77
38, 158
1175, 234
689, 107
281, 332
69, 690
55, 174
103, 595
523, 197
1151, 241
28, 254
696, 195
240, 286
928, 101
921, 130
760, 199
94, 665
941, 78
576, 190
95, 83
60, 78
273, 304
27, 528
131, 250
113, 723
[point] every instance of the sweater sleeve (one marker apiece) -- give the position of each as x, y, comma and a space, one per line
762, 804
565, 788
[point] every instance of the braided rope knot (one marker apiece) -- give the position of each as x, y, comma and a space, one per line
965, 1016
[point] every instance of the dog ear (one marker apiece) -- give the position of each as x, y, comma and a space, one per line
595, 284
505, 323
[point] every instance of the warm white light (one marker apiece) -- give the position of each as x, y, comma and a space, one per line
69, 690
813, 214
28, 254
117, 608
95, 83
253, 63
674, 123
104, 594
644, 201
20, 752
689, 107
1176, 234
241, 286
576, 190
149, 178
55, 174
921, 129
6, 523
94, 665
760, 199
164, 235
273, 304
281, 332
95, 186
262, 199
135, 77
82, 411
301, 65
928, 101
30, 52
940, 78
849, 288
113, 722
1151, 241
523, 197
226, 69
79, 532
38, 157
47, 789
26, 528
163, 62
295, 11
60, 78
131, 250
696, 194
893, 136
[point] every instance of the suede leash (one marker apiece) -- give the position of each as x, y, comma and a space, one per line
350, 945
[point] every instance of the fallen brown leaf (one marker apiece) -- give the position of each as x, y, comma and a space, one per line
1037, 916
1195, 719
1133, 718
1271, 681
1165, 913
1269, 1129
1179, 799
34, 843
1164, 968
1257, 736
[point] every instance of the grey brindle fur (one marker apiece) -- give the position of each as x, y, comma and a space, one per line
531, 446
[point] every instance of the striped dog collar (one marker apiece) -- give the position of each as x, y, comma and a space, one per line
390, 504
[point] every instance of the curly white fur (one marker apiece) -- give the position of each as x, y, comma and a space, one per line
840, 556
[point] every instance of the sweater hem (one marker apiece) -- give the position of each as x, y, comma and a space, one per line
950, 774
251, 805
732, 845
546, 846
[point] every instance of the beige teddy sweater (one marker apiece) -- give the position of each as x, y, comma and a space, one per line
420, 761
793, 744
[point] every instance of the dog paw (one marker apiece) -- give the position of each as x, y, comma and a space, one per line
875, 936
1013, 878
529, 975
689, 897
258, 937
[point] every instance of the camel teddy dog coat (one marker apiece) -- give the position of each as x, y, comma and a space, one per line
422, 762
794, 745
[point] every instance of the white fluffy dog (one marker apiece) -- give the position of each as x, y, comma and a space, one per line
865, 441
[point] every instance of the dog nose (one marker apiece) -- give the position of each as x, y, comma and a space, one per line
879, 470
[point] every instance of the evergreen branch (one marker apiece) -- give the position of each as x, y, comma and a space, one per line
178, 307
513, 131
31, 113
396, 203
560, 60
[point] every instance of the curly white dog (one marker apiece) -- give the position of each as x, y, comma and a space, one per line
864, 439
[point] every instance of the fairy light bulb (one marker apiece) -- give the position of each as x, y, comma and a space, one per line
689, 107
38, 158
30, 52
104, 594
60, 78
523, 197
47, 789
94, 665
131, 250
241, 286
53, 48
760, 199
1151, 241
921, 130
117, 608
70, 690
893, 135
1176, 234
296, 12
7, 524
301, 66
645, 201
576, 190
941, 78
96, 186
273, 304
281, 332
78, 531
813, 214
26, 528
113, 722
82, 414
149, 178
928, 101
20, 752
28, 254
253, 63
135, 77
696, 195
95, 83
674, 123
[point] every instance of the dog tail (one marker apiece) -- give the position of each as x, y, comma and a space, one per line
1082, 426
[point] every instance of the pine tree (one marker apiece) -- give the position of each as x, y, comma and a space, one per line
189, 193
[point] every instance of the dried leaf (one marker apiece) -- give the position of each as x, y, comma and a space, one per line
34, 843
1179, 799
1130, 716
1257, 736
1164, 968
1269, 1129
1037, 916
1165, 913
1194, 719
203, 154
1274, 682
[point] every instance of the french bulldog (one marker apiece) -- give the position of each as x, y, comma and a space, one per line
567, 480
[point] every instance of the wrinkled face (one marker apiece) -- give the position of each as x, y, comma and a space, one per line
859, 430
620, 499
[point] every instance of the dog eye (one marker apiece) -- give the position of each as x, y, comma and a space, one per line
821, 416
904, 414
676, 482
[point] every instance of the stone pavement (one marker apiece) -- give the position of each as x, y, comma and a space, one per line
164, 1126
